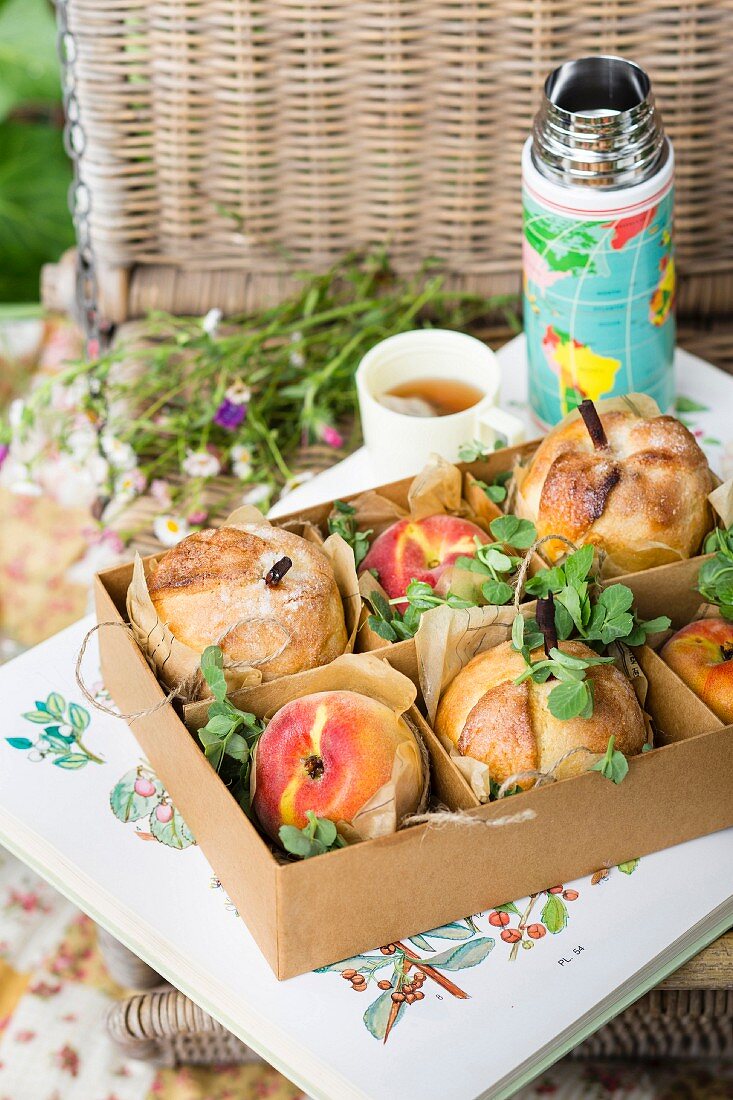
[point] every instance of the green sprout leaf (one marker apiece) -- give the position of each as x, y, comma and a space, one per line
496, 490
715, 577
613, 765
571, 699
230, 735
473, 451
497, 592
342, 522
319, 835
513, 531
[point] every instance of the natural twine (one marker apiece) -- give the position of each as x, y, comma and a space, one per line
527, 561
440, 818
183, 687
542, 778
132, 715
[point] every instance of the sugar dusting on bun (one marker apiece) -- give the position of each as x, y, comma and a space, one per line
211, 589
641, 497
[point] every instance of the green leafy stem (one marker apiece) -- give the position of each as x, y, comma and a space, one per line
596, 621
318, 835
343, 523
230, 735
715, 578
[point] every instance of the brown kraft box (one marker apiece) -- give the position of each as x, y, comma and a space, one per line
311, 913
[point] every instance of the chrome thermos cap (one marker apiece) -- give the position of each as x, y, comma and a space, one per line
597, 125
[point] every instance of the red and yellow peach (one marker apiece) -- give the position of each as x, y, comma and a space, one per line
420, 549
701, 654
331, 752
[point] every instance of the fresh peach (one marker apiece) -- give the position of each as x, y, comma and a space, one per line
701, 654
420, 549
330, 753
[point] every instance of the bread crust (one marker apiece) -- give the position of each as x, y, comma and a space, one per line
642, 500
210, 589
510, 728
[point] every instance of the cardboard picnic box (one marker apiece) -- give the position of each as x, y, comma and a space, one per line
317, 911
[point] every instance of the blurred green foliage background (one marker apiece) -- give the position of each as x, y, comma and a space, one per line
35, 225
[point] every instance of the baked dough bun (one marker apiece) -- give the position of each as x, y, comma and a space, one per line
509, 726
213, 579
643, 499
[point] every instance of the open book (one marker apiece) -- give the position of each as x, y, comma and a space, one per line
495, 997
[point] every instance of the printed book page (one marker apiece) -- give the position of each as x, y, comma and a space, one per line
495, 995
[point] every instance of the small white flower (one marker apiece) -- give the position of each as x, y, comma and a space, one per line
297, 359
160, 491
69, 397
258, 494
81, 441
201, 464
73, 483
15, 413
127, 486
121, 455
296, 481
242, 470
238, 393
170, 530
26, 488
211, 321
241, 458
130, 483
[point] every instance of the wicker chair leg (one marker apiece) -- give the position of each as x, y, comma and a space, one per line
168, 1028
671, 1024
123, 966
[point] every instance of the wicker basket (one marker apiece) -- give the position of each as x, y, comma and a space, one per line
690, 1016
230, 142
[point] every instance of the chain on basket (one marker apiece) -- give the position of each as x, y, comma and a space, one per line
80, 199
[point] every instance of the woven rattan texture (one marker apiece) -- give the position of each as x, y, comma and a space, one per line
266, 135
698, 1024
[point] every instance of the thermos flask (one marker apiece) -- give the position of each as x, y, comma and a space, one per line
598, 266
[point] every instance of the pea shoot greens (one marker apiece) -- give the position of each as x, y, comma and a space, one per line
230, 735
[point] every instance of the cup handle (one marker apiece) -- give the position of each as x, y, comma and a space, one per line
495, 423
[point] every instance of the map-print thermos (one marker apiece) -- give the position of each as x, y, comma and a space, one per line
597, 240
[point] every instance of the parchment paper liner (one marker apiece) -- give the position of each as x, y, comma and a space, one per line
371, 676
447, 643
439, 488
647, 407
177, 665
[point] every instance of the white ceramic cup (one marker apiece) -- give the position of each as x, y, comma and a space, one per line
400, 445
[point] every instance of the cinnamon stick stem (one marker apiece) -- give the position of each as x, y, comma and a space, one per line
278, 571
592, 421
546, 621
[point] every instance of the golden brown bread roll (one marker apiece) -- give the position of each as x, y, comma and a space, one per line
509, 727
642, 498
215, 579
